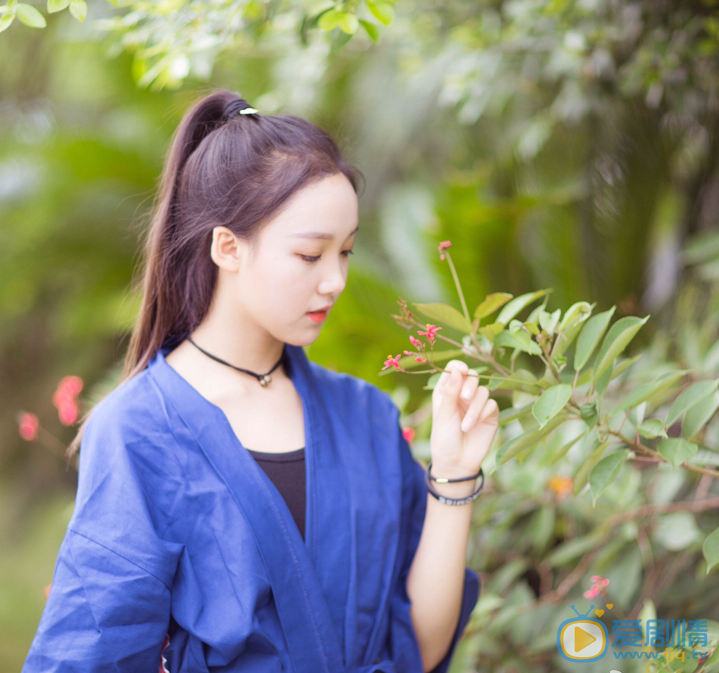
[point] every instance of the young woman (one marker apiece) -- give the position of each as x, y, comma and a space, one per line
239, 507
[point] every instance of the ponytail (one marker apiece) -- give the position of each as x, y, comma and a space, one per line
226, 168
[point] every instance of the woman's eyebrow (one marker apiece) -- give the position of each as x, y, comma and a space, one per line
319, 234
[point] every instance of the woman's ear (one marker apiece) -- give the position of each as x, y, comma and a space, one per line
226, 249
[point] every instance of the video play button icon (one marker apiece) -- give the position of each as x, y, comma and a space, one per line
582, 639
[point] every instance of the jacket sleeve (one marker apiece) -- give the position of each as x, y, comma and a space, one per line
109, 603
104, 614
415, 503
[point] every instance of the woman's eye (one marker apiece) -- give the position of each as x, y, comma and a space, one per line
309, 258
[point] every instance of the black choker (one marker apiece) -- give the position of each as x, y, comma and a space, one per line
264, 379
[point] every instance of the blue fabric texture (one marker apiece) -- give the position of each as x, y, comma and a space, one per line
178, 532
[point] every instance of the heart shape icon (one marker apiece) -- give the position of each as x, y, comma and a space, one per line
599, 613
610, 605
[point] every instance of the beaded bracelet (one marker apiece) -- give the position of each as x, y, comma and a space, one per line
452, 501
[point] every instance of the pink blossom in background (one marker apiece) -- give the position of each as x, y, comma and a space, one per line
442, 247
431, 332
392, 361
28, 426
415, 342
598, 585
46, 590
408, 434
65, 399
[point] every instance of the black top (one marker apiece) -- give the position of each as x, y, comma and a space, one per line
287, 472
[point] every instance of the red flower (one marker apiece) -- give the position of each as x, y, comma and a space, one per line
419, 358
430, 333
408, 434
415, 342
392, 361
65, 400
28, 426
442, 247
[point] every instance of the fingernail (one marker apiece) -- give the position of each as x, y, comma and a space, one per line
454, 377
466, 394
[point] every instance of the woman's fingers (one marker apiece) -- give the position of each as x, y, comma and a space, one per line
470, 384
448, 388
476, 408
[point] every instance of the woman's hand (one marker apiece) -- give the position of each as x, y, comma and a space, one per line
464, 423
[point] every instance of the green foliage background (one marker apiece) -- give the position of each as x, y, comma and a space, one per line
569, 144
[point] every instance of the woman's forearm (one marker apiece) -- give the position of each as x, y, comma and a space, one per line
436, 578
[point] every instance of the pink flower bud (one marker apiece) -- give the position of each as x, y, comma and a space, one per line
28, 426
408, 434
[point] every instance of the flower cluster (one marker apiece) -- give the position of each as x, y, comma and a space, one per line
442, 247
65, 399
599, 583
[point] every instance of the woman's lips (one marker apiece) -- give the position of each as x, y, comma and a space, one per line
318, 316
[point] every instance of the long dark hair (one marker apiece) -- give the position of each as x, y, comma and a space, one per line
225, 168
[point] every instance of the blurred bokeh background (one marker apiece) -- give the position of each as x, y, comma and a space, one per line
566, 144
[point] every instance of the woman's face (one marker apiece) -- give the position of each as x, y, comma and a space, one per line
297, 267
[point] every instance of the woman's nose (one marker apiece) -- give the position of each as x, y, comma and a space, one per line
334, 280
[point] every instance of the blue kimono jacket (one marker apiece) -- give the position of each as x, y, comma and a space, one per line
178, 532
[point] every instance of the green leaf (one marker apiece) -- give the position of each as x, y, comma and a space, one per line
349, 23
600, 386
78, 8
548, 321
520, 380
330, 19
582, 476
30, 16
689, 397
565, 449
705, 457
520, 339
551, 402
370, 29
588, 412
491, 303
589, 338
698, 415
490, 332
516, 445
542, 527
57, 5
647, 390
5, 21
382, 11
512, 414
620, 368
677, 450
517, 304
652, 427
448, 315
605, 472
710, 549
568, 551
571, 325
617, 339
